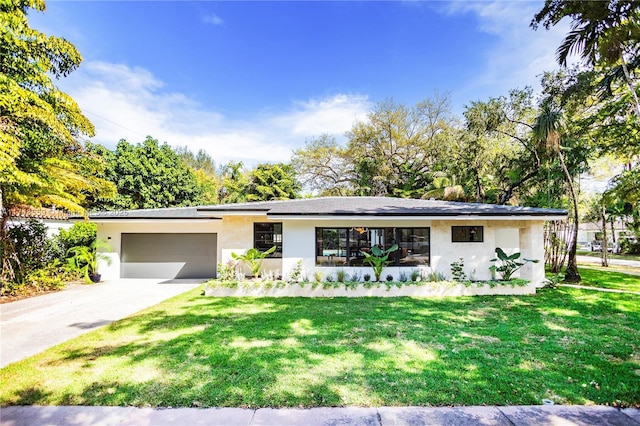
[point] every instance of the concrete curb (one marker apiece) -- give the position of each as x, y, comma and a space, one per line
322, 416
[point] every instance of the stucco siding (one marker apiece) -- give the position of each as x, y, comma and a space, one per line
237, 237
512, 236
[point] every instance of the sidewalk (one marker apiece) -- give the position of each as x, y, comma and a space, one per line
565, 415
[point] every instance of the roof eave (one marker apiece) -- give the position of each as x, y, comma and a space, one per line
297, 216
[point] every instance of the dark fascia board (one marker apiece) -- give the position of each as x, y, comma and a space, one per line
422, 214
242, 210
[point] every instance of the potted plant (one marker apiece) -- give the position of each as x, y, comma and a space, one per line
85, 259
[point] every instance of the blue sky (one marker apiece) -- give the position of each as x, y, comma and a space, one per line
251, 81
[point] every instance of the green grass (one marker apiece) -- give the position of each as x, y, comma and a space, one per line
568, 345
595, 277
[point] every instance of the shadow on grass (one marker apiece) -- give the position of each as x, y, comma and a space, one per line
564, 345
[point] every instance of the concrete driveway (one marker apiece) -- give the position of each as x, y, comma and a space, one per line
30, 326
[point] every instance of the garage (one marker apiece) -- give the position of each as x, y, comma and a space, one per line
170, 256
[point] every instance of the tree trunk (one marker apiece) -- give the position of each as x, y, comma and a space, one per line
605, 240
631, 86
572, 275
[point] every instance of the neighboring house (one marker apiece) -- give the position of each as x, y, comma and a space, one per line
590, 235
53, 219
325, 234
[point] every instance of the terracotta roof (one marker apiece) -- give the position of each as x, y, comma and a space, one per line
27, 212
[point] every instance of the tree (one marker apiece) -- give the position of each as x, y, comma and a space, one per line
323, 166
396, 150
234, 183
547, 129
147, 175
603, 33
42, 159
206, 175
497, 157
273, 182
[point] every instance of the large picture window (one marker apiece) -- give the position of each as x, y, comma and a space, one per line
267, 235
345, 246
467, 234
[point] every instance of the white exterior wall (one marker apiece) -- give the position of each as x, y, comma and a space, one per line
512, 236
235, 234
112, 232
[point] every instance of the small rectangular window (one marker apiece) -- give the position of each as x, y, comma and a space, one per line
467, 234
267, 235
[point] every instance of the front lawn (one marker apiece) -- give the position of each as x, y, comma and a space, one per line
614, 280
568, 345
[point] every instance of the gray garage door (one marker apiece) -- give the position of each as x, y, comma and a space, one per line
168, 256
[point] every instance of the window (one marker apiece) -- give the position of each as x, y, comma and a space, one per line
467, 234
267, 235
345, 246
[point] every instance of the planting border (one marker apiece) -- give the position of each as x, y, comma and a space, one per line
426, 289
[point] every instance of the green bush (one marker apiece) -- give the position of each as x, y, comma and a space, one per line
81, 234
29, 250
50, 277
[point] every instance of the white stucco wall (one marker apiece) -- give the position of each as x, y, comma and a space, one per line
511, 236
235, 234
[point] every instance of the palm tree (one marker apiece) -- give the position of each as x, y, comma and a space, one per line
603, 33
547, 129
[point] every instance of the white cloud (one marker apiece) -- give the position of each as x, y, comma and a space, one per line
333, 115
519, 55
130, 103
213, 19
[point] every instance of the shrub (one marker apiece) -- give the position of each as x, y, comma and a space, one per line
402, 277
47, 278
366, 277
317, 276
356, 277
30, 250
389, 277
415, 275
296, 273
329, 278
457, 271
81, 234
227, 271
435, 276
341, 275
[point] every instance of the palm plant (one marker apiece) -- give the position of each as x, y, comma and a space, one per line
253, 258
604, 33
85, 259
378, 259
547, 129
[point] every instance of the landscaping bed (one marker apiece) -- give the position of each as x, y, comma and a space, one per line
260, 288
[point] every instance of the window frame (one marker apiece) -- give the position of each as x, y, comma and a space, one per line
278, 253
468, 231
391, 235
